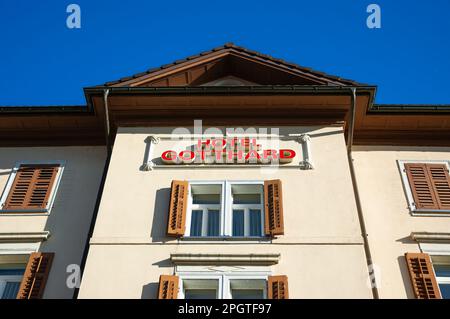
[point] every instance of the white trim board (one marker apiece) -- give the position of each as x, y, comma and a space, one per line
29, 236
18, 248
435, 249
255, 259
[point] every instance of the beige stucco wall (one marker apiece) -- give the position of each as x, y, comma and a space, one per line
321, 251
386, 213
70, 217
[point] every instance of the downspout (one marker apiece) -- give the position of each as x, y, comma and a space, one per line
107, 124
357, 196
99, 194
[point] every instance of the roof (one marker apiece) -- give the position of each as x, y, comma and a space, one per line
231, 48
271, 91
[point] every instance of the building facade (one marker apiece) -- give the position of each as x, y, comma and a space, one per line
48, 197
229, 174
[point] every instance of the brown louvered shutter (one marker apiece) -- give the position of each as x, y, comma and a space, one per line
440, 180
168, 287
422, 276
177, 208
277, 287
273, 201
421, 186
32, 187
35, 276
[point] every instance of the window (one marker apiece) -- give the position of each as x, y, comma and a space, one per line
203, 282
225, 209
233, 209
10, 279
205, 210
427, 186
31, 188
247, 210
223, 286
441, 265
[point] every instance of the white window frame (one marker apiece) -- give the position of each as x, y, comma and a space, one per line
224, 287
441, 280
245, 207
9, 278
226, 209
31, 212
205, 207
409, 196
438, 250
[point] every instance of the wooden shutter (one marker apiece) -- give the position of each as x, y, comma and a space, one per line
277, 287
168, 287
440, 180
430, 185
422, 276
35, 277
273, 201
421, 186
177, 209
32, 187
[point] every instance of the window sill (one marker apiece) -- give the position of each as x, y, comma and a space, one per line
430, 213
41, 212
226, 238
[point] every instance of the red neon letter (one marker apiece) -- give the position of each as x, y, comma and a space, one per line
287, 153
190, 154
169, 156
270, 153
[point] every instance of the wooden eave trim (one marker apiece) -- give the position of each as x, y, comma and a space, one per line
172, 69
183, 66
290, 70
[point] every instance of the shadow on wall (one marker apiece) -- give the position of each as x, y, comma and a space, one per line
405, 276
150, 291
161, 215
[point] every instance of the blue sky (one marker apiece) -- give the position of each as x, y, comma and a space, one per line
42, 62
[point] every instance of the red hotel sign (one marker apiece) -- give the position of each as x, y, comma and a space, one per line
228, 151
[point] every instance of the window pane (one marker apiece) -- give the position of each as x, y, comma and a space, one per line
206, 193
247, 288
246, 198
200, 294
11, 272
445, 291
11, 290
247, 294
442, 270
238, 222
255, 222
206, 198
246, 194
196, 223
213, 222
200, 288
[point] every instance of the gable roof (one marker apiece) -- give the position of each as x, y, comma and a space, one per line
228, 84
226, 60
